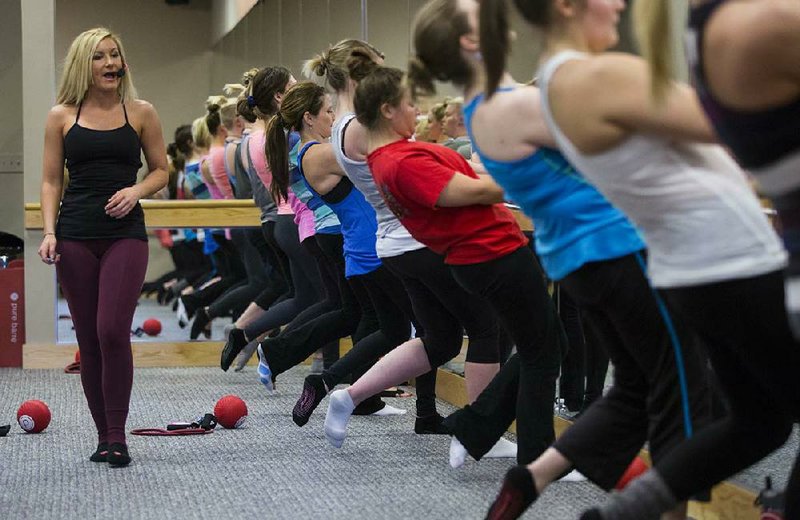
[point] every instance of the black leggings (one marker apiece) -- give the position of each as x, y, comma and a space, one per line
305, 280
445, 309
250, 244
479, 425
229, 268
330, 302
295, 343
743, 325
585, 366
280, 281
655, 397
375, 312
382, 291
514, 287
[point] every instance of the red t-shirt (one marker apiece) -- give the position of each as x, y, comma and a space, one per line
411, 176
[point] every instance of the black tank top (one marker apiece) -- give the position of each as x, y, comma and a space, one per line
100, 163
756, 138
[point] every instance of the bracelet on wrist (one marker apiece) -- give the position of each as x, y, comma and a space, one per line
49, 234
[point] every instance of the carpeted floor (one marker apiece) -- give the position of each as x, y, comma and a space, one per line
269, 469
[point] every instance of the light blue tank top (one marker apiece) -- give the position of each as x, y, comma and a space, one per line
573, 222
357, 219
325, 220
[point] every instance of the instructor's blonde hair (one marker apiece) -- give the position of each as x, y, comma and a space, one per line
77, 75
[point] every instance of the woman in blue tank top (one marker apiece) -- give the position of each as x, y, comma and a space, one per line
596, 254
306, 108
98, 244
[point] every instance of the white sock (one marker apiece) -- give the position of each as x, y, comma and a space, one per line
458, 453
340, 407
388, 410
573, 476
503, 449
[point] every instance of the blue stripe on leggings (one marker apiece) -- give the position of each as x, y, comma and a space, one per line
676, 347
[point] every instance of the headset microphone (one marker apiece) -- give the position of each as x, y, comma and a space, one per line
120, 73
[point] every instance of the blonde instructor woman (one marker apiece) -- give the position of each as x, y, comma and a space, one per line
96, 239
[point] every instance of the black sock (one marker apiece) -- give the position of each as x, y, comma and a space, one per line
516, 495
313, 393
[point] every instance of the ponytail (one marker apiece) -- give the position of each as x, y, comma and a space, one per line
277, 150
653, 24
419, 79
495, 41
436, 34
304, 97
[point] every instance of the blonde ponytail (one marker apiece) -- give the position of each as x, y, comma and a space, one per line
653, 25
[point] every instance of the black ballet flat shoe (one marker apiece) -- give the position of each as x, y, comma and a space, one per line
118, 455
431, 425
236, 342
516, 495
100, 453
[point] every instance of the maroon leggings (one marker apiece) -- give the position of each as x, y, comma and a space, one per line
101, 280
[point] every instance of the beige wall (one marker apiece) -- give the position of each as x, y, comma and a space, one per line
11, 182
167, 49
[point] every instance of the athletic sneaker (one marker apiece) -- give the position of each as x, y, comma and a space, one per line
264, 373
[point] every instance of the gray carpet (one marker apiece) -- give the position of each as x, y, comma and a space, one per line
268, 469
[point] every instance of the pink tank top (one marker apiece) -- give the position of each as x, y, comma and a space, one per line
214, 190
303, 217
219, 173
259, 158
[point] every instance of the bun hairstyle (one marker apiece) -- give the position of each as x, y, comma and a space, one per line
243, 94
304, 97
495, 32
200, 134
436, 34
438, 110
205, 128
333, 65
220, 110
383, 85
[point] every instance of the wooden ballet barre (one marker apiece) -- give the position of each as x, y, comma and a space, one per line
205, 214
180, 214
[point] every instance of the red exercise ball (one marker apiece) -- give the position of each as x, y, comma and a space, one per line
33, 416
151, 327
77, 356
636, 468
230, 411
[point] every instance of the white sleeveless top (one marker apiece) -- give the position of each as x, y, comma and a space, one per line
393, 239
700, 219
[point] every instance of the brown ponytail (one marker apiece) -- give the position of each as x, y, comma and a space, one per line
277, 150
495, 41
436, 33
301, 98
